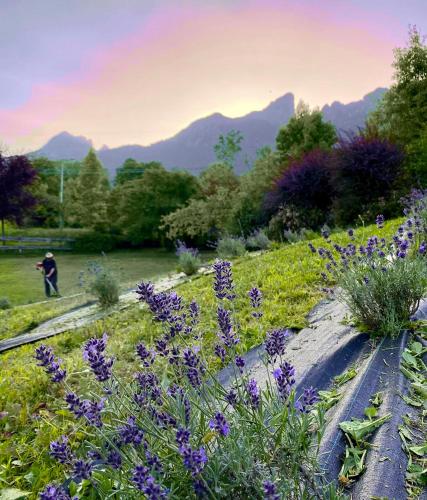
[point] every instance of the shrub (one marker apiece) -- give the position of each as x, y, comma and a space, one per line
382, 281
94, 242
188, 258
174, 428
258, 240
101, 283
229, 247
365, 175
5, 303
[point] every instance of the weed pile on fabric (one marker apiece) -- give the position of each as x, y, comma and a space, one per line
174, 431
381, 281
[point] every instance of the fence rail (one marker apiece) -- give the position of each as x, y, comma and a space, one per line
45, 243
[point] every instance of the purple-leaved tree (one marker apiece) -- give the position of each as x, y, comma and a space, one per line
16, 174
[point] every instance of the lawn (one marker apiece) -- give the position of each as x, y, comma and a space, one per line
289, 280
21, 283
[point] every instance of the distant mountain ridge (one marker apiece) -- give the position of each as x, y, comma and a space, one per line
192, 148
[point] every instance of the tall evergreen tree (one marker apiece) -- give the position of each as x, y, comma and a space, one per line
89, 197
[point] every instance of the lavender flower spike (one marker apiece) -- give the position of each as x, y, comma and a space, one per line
50, 363
309, 398
253, 393
93, 353
380, 221
223, 284
256, 298
220, 424
52, 492
275, 342
61, 451
270, 491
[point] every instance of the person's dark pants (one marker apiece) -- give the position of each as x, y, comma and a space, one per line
53, 280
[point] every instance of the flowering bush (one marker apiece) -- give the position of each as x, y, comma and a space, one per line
189, 259
382, 281
258, 240
228, 247
174, 431
101, 283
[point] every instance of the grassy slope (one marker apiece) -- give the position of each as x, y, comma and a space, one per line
22, 283
288, 278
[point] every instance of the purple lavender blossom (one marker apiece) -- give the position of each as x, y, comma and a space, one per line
182, 436
423, 248
312, 247
153, 462
240, 363
256, 298
140, 475
145, 290
93, 353
231, 397
91, 410
270, 491
220, 352
82, 470
114, 459
130, 433
194, 460
275, 342
51, 364
153, 490
147, 356
195, 367
161, 346
223, 282
181, 248
220, 424
149, 388
284, 376
226, 332
52, 492
194, 312
61, 451
253, 393
309, 398
350, 232
380, 221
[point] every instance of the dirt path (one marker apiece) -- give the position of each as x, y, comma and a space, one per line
86, 315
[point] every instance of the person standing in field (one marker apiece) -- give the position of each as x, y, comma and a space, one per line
50, 271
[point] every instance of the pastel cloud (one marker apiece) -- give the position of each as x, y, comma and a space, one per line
187, 62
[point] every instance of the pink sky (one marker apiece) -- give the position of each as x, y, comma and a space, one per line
180, 63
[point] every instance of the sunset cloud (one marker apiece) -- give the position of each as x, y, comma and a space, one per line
186, 60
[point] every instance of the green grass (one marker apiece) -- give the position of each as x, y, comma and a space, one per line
21, 283
291, 285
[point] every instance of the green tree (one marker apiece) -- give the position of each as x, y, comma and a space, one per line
89, 192
46, 189
217, 176
248, 209
304, 132
137, 206
131, 170
401, 115
210, 214
228, 147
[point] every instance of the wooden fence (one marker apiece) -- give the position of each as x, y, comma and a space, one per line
34, 243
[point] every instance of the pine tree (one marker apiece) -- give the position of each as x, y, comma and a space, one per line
89, 198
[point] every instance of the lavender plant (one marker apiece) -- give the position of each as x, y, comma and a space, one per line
174, 431
188, 258
381, 281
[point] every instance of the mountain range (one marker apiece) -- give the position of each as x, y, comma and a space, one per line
192, 148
